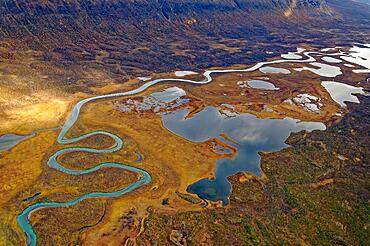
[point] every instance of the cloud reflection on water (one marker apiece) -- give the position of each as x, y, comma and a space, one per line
252, 134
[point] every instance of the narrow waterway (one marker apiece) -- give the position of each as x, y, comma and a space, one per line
145, 178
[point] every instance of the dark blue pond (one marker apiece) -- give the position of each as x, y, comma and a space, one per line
252, 134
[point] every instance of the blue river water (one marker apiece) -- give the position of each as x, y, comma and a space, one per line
145, 178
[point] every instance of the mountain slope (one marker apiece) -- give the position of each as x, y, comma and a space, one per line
118, 39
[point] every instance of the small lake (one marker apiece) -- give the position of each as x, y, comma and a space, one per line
342, 93
274, 70
260, 84
252, 134
322, 69
291, 55
331, 59
184, 73
359, 55
169, 95
166, 99
144, 78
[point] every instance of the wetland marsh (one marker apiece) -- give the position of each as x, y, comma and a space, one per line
247, 134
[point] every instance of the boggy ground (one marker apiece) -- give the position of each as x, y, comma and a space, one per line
172, 169
24, 180
50, 60
38, 102
315, 192
170, 160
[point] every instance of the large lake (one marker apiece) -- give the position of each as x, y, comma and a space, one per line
252, 134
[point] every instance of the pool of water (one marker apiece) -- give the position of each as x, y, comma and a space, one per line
349, 65
166, 99
359, 55
342, 93
260, 84
322, 69
291, 55
184, 73
169, 95
274, 70
252, 134
144, 78
331, 59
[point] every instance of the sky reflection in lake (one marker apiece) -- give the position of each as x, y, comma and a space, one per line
341, 92
260, 84
252, 134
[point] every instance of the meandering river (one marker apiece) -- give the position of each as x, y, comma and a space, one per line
145, 178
